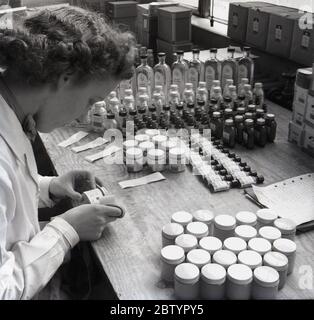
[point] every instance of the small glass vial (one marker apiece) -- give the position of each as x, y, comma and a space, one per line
224, 226
177, 159
265, 283
170, 232
265, 217
225, 258
234, 244
156, 160
229, 134
198, 229
279, 262
187, 242
210, 244
134, 159
289, 249
216, 125
198, 257
239, 127
171, 256
250, 258
239, 280
269, 233
213, 282
145, 147
248, 134
245, 232
98, 115
205, 216
287, 228
246, 217
182, 217
260, 132
271, 126
259, 245
258, 94
186, 283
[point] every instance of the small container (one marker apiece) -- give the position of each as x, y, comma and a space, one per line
247, 218
151, 133
259, 245
234, 244
269, 233
199, 257
245, 232
289, 249
287, 228
250, 258
182, 217
213, 278
205, 216
239, 280
210, 244
129, 144
145, 147
156, 160
134, 159
171, 256
169, 233
265, 283
141, 138
187, 242
225, 258
279, 262
167, 145
197, 229
158, 140
224, 226
177, 159
265, 217
186, 283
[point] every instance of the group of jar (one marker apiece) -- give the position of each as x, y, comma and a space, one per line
225, 257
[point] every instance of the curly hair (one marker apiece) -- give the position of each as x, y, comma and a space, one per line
53, 41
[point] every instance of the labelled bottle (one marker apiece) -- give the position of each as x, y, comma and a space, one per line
212, 69
180, 72
229, 134
260, 132
150, 58
241, 85
229, 68
271, 126
162, 74
248, 134
246, 66
144, 76
258, 95
98, 116
195, 73
216, 125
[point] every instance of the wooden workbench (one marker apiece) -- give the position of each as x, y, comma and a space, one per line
130, 249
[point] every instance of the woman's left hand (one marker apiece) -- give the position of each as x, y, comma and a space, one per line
73, 184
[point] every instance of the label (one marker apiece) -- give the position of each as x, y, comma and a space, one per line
243, 72
159, 79
227, 73
256, 25
305, 43
193, 77
177, 78
278, 33
97, 121
209, 77
143, 81
235, 20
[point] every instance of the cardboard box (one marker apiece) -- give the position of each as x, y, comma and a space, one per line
174, 24
308, 144
121, 9
309, 112
150, 24
299, 111
302, 48
154, 6
296, 134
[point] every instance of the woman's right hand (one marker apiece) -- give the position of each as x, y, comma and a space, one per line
89, 220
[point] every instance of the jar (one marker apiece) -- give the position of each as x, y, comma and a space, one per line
169, 233
250, 258
210, 244
216, 125
213, 279
229, 133
134, 159
187, 242
145, 147
182, 217
259, 245
225, 258
234, 244
224, 226
98, 115
265, 217
245, 232
287, 228
167, 145
111, 122
265, 283
271, 127
248, 134
177, 159
205, 216
158, 140
141, 138
171, 256
239, 280
198, 257
288, 248
198, 229
91, 196
279, 262
129, 144
151, 133
186, 284
239, 126
247, 218
269, 233
260, 132
156, 160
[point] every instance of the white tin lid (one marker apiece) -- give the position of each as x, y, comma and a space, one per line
199, 229
259, 245
182, 217
210, 244
172, 230
213, 273
225, 222
205, 216
269, 233
235, 244
240, 274
199, 257
250, 258
245, 231
286, 226
225, 258
266, 276
266, 216
246, 217
141, 138
172, 254
187, 273
276, 260
186, 241
285, 246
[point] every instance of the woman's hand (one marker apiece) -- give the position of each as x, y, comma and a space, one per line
73, 184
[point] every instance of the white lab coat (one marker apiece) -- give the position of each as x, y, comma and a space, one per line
28, 257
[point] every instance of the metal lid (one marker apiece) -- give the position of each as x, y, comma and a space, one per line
225, 258
276, 260
159, 138
240, 274
270, 116
141, 137
210, 244
172, 230
161, 54
250, 258
216, 114
266, 216
199, 257
266, 276
286, 226
229, 122
260, 121
172, 254
259, 245
269, 233
186, 242
225, 222
152, 132
213, 273
246, 217
285, 246
134, 153
155, 154
182, 217
130, 144
246, 232
235, 244
187, 273
146, 145
205, 216
199, 229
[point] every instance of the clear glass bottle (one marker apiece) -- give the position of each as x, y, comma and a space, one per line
114, 106
229, 68
128, 95
142, 91
174, 99
188, 96
98, 116
158, 103
142, 107
258, 95
202, 98
145, 76
195, 74
241, 85
226, 92
246, 66
217, 95
162, 74
159, 89
111, 122
150, 58
180, 72
248, 94
128, 103
233, 95
124, 85
212, 69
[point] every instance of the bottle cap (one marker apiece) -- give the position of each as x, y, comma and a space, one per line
260, 121
225, 258
172, 230
266, 216
276, 260
228, 122
196, 50
240, 274
231, 49
182, 217
269, 233
235, 244
246, 232
198, 257
187, 273
259, 245
210, 244
286, 226
161, 54
249, 122
250, 258
266, 276
246, 217
172, 254
213, 273
205, 216
225, 222
186, 241
285, 246
134, 153
270, 116
199, 229
213, 50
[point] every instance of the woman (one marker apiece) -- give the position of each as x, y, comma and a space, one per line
55, 63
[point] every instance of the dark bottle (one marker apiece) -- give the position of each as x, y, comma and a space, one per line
152, 112
228, 114
248, 134
190, 107
180, 108
259, 113
252, 109
260, 132
229, 134
271, 126
216, 125
241, 111
248, 115
239, 126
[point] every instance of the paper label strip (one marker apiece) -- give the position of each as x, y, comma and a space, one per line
154, 177
90, 145
73, 139
102, 154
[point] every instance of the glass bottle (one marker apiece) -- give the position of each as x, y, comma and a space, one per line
158, 103
142, 106
122, 120
195, 73
229, 134
226, 92
246, 66
128, 95
180, 72
271, 126
202, 98
98, 116
260, 132
229, 68
162, 74
111, 122
150, 58
248, 94
258, 94
217, 95
114, 106
216, 125
212, 69
159, 89
239, 127
216, 83
241, 85
188, 97
174, 99
144, 76
123, 86
248, 134
233, 95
